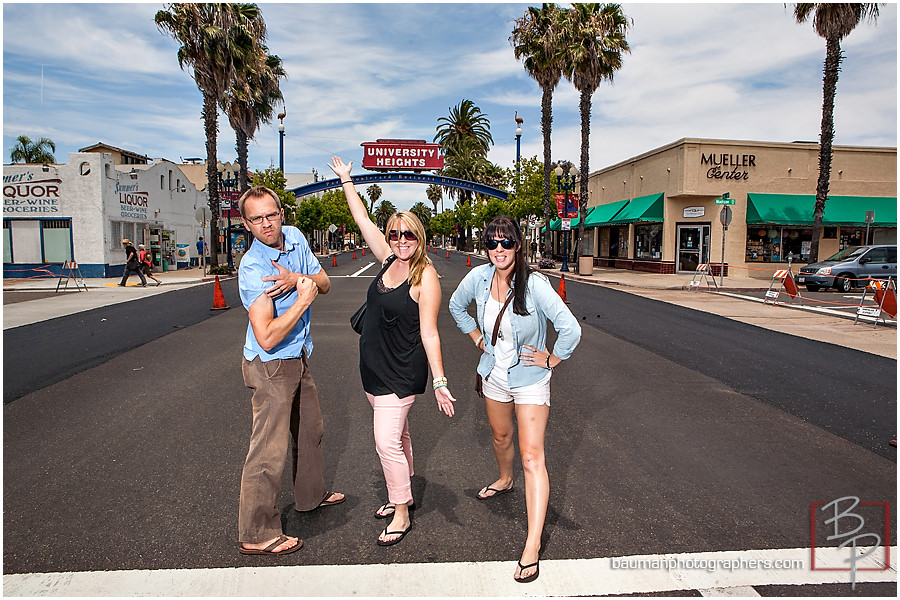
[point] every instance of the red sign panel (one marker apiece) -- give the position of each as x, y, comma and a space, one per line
573, 205
401, 155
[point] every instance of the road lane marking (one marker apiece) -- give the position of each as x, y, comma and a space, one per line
357, 274
705, 571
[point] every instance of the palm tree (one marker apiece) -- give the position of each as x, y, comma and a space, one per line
465, 138
834, 22
594, 41
383, 213
465, 126
535, 40
251, 101
435, 195
423, 212
374, 193
214, 39
35, 152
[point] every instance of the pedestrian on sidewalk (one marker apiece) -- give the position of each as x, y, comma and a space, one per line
398, 342
146, 259
132, 264
201, 253
279, 278
515, 366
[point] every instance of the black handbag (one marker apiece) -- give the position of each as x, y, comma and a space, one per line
357, 319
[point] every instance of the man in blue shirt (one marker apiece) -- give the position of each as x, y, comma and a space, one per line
279, 277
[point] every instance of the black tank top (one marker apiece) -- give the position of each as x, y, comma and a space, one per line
392, 359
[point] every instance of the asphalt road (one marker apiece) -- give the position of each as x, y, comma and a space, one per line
671, 431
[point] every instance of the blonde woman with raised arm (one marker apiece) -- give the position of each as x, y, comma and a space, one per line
398, 344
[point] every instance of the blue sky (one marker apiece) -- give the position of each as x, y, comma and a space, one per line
83, 73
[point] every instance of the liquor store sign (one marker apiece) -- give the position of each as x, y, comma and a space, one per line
24, 193
401, 155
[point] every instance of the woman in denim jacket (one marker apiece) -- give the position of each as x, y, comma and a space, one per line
516, 369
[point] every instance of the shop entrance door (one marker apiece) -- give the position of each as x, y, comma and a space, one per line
693, 247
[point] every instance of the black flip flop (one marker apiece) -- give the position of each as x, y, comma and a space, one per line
396, 541
271, 547
495, 494
379, 514
531, 577
327, 502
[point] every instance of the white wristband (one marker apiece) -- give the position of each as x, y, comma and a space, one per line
480, 339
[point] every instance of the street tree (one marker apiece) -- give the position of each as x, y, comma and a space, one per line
37, 152
214, 39
251, 101
833, 22
384, 212
435, 194
535, 40
374, 193
423, 212
593, 41
274, 179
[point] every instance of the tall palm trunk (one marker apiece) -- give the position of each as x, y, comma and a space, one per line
832, 70
211, 125
242, 142
584, 105
546, 126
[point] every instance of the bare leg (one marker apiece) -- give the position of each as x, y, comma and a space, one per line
532, 425
500, 416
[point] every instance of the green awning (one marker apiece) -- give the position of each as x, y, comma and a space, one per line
555, 224
603, 214
644, 208
796, 209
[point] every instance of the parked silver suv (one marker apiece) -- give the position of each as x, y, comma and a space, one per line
850, 268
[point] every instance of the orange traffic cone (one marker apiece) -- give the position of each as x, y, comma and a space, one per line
334, 260
562, 288
364, 251
448, 254
469, 261
218, 297
354, 255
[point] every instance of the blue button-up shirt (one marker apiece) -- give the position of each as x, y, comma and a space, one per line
256, 264
542, 302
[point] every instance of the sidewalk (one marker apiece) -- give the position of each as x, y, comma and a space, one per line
100, 292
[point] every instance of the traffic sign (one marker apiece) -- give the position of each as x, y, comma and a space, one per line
725, 201
725, 216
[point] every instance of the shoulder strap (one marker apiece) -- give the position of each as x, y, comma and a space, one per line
509, 298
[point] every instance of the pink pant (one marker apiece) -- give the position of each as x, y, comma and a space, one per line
393, 444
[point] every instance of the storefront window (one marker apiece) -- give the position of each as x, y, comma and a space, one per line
775, 243
648, 241
851, 236
618, 242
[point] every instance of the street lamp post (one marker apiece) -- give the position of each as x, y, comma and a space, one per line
281, 146
565, 180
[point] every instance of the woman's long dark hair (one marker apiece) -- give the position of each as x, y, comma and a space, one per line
505, 227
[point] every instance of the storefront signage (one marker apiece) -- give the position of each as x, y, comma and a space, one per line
691, 212
402, 155
133, 204
718, 163
561, 205
22, 195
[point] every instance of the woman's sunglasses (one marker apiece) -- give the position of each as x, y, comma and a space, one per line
395, 235
492, 244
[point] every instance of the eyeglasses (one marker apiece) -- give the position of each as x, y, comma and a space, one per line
492, 244
394, 235
271, 218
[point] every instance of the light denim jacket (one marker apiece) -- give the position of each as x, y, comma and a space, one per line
543, 304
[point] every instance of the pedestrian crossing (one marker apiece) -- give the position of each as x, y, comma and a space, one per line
728, 573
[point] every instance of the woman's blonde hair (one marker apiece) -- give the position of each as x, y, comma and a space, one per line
419, 259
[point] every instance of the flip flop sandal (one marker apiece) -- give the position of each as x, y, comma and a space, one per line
531, 577
327, 502
396, 541
381, 514
495, 494
271, 547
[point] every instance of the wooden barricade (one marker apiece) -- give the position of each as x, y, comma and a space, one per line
71, 271
786, 279
702, 275
885, 296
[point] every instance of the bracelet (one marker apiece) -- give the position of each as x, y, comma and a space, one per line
548, 363
439, 382
480, 339
440, 385
345, 182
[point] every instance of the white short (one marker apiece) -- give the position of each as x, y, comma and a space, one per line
536, 393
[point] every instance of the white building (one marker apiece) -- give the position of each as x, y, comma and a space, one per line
80, 212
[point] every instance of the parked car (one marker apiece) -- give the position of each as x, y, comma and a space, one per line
851, 267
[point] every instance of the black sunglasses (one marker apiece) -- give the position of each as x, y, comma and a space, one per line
395, 235
492, 244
